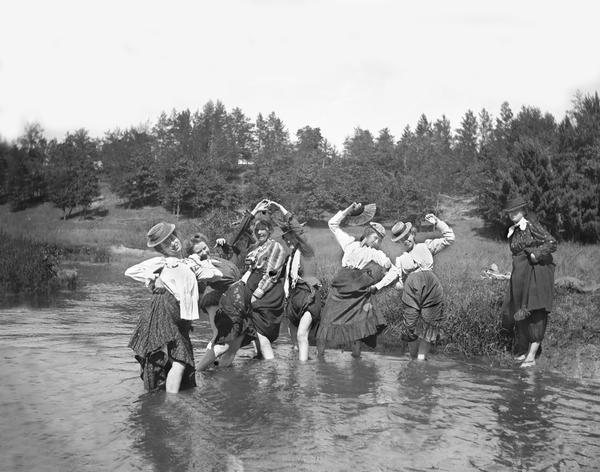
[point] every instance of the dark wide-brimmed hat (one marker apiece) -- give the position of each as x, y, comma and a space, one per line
158, 233
515, 203
400, 230
296, 238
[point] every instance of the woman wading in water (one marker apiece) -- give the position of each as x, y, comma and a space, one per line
301, 286
348, 315
161, 339
217, 276
162, 351
422, 297
265, 262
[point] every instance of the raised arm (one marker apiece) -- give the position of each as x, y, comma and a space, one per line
342, 237
232, 246
438, 244
289, 220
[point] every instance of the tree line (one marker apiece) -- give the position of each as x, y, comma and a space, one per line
214, 160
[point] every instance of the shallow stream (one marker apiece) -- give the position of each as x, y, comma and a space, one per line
71, 399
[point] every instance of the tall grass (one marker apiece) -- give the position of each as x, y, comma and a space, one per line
472, 304
27, 266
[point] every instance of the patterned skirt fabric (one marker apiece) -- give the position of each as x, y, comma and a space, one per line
160, 338
267, 312
423, 308
233, 315
348, 314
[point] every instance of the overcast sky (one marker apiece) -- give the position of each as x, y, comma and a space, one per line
330, 64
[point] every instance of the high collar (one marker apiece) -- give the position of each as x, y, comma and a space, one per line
521, 224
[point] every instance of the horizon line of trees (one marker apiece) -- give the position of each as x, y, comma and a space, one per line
217, 161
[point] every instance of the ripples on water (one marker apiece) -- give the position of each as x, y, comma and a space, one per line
71, 400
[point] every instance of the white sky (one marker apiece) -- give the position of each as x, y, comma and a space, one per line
331, 64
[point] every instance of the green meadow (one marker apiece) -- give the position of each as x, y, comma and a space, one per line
472, 303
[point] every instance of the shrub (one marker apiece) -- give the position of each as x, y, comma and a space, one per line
27, 266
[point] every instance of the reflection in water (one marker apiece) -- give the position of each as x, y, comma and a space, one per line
71, 399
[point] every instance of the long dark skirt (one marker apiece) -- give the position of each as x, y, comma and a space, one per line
348, 314
303, 298
267, 311
423, 307
160, 338
233, 315
531, 287
216, 288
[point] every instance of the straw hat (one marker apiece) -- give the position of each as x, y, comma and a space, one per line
158, 233
379, 229
400, 230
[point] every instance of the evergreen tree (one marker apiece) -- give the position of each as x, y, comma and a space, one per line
466, 152
4, 157
129, 164
385, 154
579, 166
25, 168
359, 146
73, 172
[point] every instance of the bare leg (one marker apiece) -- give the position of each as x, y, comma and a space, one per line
227, 356
257, 352
207, 360
265, 347
174, 377
212, 311
211, 355
302, 335
424, 347
530, 359
356, 348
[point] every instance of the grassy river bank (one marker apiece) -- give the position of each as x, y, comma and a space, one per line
472, 303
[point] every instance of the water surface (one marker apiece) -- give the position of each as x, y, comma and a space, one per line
71, 399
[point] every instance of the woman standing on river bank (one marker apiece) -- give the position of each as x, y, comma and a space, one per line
528, 300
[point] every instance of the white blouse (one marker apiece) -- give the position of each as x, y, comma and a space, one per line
420, 257
177, 277
357, 255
